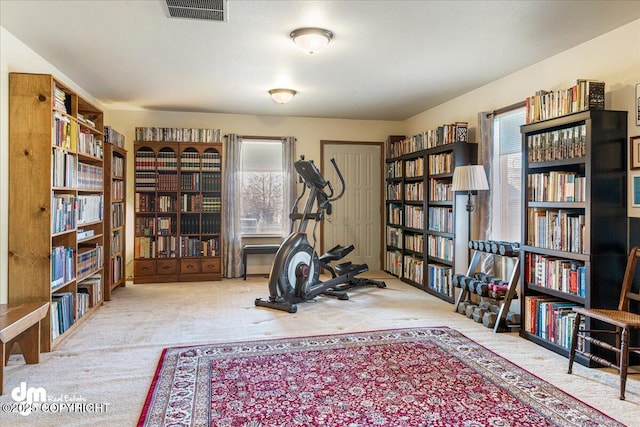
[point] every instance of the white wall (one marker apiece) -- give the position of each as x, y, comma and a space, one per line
308, 131
613, 57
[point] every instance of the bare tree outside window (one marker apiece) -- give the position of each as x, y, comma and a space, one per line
262, 187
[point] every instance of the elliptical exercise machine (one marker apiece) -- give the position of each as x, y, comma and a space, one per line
295, 273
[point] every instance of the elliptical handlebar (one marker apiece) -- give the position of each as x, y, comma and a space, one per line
335, 166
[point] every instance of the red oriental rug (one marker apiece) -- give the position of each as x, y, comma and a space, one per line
401, 377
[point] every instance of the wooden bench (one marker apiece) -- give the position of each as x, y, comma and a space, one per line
21, 324
257, 250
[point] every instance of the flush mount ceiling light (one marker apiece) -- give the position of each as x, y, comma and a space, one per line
282, 96
311, 39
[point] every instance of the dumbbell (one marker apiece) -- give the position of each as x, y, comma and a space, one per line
509, 249
482, 288
483, 277
457, 280
469, 309
513, 318
465, 282
462, 307
489, 319
471, 244
478, 313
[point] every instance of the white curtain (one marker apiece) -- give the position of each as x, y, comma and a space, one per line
289, 184
231, 235
483, 198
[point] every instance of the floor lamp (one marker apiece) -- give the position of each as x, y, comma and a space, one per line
469, 178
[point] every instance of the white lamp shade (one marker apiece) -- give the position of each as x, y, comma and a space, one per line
469, 178
311, 39
282, 96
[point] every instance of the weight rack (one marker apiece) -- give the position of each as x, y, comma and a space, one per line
502, 249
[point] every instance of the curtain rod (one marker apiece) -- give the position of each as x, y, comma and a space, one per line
272, 138
508, 108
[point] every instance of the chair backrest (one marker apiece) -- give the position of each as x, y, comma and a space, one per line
627, 294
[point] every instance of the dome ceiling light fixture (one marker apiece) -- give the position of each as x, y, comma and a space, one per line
311, 39
282, 96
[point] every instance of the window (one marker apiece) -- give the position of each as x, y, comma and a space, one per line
261, 186
506, 197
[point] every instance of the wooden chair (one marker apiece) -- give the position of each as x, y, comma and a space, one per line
622, 319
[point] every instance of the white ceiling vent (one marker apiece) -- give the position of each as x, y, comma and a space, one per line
210, 10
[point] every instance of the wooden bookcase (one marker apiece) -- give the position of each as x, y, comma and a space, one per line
427, 227
56, 233
115, 211
574, 224
178, 203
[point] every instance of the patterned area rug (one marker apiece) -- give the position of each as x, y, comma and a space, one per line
400, 377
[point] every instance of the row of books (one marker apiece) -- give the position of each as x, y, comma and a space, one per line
62, 313
440, 163
167, 246
440, 247
145, 226
440, 279
567, 143
441, 219
63, 169
394, 169
166, 225
195, 247
394, 191
89, 294
556, 186
60, 100
114, 137
117, 214
442, 135
117, 166
550, 319
116, 242
193, 224
560, 230
63, 212
414, 242
89, 208
414, 191
89, 177
584, 95
394, 214
562, 275
89, 260
414, 168
413, 269
193, 162
117, 190
414, 217
178, 134
145, 181
89, 144
64, 132
144, 202
167, 182
393, 262
440, 190
144, 247
116, 269
394, 237
62, 266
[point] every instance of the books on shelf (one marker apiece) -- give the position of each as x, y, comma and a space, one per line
112, 136
442, 135
178, 134
62, 265
440, 279
584, 95
563, 275
550, 319
556, 229
567, 143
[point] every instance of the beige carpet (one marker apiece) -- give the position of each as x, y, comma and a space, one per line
109, 361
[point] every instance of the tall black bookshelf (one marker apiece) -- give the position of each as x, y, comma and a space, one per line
574, 231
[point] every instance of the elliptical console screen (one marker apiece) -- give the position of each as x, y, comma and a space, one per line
310, 173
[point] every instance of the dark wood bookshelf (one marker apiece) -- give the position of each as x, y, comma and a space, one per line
400, 258
599, 244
